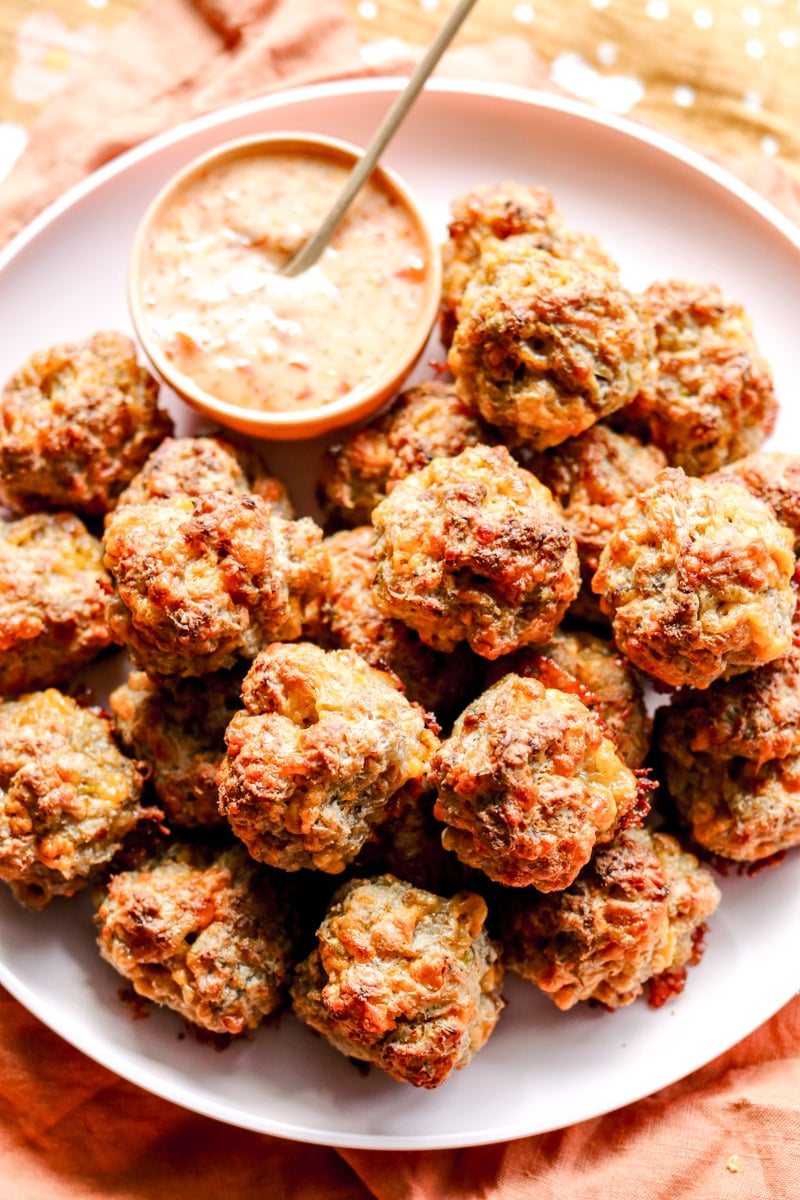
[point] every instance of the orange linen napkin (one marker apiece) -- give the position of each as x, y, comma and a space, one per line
70, 1129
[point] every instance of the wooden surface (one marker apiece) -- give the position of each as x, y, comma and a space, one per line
722, 73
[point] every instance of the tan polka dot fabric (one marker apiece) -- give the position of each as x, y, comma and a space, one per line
724, 74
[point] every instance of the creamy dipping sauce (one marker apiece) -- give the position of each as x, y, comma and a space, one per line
213, 300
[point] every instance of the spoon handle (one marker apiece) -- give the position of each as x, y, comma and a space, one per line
310, 251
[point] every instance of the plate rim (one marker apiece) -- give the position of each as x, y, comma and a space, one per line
535, 97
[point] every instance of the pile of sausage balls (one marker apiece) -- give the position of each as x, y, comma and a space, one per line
363, 764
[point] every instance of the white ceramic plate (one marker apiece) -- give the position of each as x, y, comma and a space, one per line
661, 211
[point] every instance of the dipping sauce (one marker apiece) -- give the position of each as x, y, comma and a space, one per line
212, 299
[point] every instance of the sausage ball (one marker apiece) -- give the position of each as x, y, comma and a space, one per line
206, 932
591, 476
203, 581
773, 478
708, 396
528, 784
636, 912
696, 579
193, 466
178, 729
77, 422
500, 211
402, 978
738, 808
592, 669
53, 595
323, 742
474, 549
408, 844
350, 620
755, 715
427, 421
545, 347
68, 796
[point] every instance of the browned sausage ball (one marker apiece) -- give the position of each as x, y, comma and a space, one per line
499, 211
696, 579
634, 913
708, 397
738, 808
775, 479
203, 581
323, 742
408, 844
402, 978
545, 347
474, 549
77, 421
350, 620
178, 729
427, 421
591, 476
755, 715
592, 669
53, 595
204, 931
528, 785
68, 796
193, 466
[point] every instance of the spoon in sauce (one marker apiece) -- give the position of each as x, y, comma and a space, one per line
310, 251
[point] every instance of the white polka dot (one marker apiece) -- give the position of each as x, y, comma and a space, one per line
429, 5
97, 3
523, 13
368, 9
788, 38
605, 3
703, 18
752, 101
617, 93
386, 52
754, 48
607, 54
658, 10
769, 144
684, 96
751, 15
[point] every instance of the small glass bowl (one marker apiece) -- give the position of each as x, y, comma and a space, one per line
363, 399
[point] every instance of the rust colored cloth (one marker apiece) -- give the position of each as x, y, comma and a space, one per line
72, 1130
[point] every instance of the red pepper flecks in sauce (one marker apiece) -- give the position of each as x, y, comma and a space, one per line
214, 300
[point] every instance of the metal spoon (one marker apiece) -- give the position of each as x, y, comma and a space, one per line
310, 251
